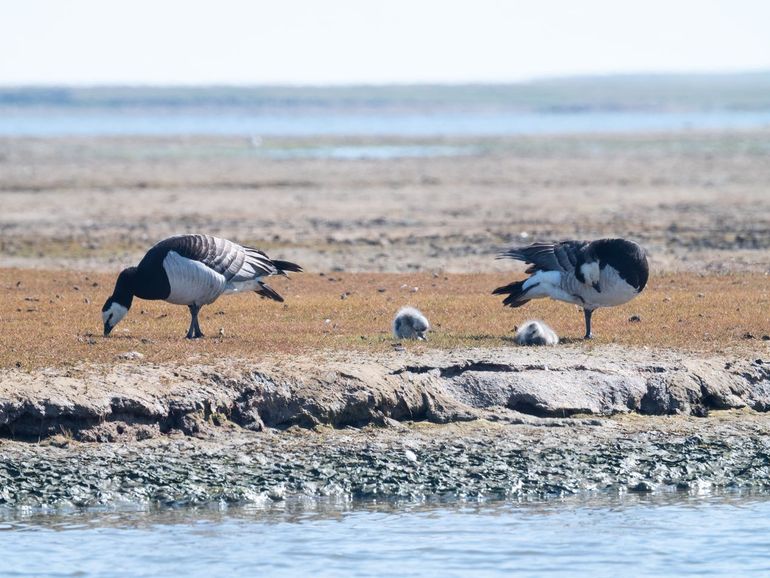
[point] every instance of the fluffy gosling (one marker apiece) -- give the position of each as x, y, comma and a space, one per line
536, 333
409, 323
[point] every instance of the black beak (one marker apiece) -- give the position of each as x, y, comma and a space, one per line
422, 337
596, 287
107, 329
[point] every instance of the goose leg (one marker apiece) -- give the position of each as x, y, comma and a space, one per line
588, 313
198, 332
195, 330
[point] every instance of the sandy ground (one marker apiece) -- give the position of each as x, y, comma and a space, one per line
697, 202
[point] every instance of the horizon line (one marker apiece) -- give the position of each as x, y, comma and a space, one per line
384, 84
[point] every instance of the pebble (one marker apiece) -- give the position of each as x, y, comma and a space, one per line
643, 486
130, 355
355, 464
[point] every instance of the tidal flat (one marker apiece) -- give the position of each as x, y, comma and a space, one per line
313, 398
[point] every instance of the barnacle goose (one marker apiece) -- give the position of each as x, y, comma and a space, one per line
410, 323
193, 270
594, 274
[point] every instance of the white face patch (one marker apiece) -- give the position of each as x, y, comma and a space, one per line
591, 272
112, 316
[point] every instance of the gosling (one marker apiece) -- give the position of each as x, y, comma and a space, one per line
409, 323
536, 333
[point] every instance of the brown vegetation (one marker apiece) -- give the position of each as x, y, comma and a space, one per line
53, 318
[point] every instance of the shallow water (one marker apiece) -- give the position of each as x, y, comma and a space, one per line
632, 535
68, 122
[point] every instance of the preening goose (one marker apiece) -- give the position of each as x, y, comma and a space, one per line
594, 274
193, 270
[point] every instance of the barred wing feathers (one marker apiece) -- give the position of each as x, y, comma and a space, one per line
562, 257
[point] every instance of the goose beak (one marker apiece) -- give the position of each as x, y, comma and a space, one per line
422, 337
596, 287
107, 329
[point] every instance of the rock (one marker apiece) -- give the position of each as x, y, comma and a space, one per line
130, 355
643, 486
381, 389
634, 319
511, 461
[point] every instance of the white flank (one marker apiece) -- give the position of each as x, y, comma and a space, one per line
549, 278
615, 291
242, 286
549, 284
191, 281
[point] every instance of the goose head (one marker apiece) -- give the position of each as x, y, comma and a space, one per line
112, 313
118, 304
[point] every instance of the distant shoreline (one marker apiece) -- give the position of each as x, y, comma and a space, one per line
600, 104
732, 91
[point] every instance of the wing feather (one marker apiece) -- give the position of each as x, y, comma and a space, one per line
234, 262
561, 256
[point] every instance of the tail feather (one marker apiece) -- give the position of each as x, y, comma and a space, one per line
284, 266
516, 293
265, 291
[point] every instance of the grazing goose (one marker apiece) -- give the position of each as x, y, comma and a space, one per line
410, 323
192, 270
594, 274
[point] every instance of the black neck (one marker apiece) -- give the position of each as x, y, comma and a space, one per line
124, 287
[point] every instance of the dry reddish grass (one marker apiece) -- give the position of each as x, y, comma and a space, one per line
53, 318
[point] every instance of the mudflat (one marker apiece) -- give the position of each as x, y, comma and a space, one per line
698, 202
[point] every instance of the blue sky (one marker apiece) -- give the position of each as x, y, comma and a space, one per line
348, 41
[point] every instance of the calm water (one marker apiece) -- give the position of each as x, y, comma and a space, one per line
630, 536
67, 122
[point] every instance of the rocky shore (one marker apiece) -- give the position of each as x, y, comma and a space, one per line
135, 400
513, 422
534, 459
